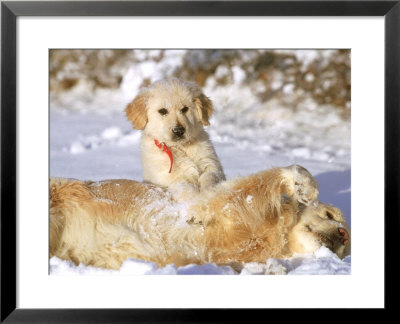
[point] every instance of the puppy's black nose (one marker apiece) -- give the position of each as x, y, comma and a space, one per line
178, 130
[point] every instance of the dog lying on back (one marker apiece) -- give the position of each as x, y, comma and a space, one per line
272, 214
176, 150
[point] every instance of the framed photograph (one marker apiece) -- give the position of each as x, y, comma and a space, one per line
260, 84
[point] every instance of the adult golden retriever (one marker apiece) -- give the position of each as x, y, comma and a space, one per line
176, 150
274, 213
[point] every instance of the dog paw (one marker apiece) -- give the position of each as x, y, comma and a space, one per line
304, 185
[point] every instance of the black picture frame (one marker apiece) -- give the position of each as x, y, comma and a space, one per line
9, 13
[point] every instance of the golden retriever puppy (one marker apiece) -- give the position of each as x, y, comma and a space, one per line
272, 214
176, 150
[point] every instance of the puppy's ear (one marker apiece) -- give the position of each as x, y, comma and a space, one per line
136, 111
205, 108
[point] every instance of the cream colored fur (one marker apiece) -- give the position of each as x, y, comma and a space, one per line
196, 166
274, 213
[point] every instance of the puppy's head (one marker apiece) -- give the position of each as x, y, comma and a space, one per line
321, 225
170, 111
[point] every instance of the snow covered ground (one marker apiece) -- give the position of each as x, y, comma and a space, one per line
321, 262
104, 146
249, 136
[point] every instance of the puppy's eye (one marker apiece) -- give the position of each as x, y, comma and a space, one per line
184, 109
163, 111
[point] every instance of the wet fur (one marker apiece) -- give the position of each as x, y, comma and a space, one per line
243, 220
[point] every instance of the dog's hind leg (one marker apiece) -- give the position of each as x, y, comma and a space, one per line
301, 184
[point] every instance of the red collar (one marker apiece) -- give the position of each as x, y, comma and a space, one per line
165, 148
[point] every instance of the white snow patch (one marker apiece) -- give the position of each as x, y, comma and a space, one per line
253, 268
205, 269
276, 84
129, 139
111, 133
303, 152
238, 74
222, 71
77, 148
288, 88
309, 77
323, 261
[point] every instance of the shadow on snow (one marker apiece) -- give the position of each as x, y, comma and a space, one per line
335, 189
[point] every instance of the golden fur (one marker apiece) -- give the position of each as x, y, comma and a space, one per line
274, 213
196, 166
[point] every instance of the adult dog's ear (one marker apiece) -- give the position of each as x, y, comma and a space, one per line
205, 108
136, 111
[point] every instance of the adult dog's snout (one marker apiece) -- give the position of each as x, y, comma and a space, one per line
178, 130
344, 236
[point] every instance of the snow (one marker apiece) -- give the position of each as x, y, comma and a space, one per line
93, 140
98, 147
322, 261
111, 133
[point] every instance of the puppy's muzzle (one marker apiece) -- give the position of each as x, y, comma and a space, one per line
178, 131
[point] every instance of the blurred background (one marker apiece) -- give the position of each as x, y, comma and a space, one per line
272, 108
323, 75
